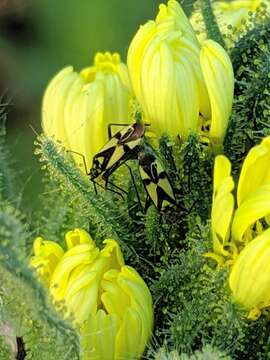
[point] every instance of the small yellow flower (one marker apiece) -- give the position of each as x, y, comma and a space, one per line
109, 302
47, 255
175, 79
77, 107
250, 275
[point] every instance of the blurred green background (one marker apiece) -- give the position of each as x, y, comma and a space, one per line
37, 39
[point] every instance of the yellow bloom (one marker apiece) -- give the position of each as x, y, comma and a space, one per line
47, 255
250, 276
175, 80
223, 207
77, 107
109, 302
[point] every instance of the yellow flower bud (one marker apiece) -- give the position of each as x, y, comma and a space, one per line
47, 255
218, 75
175, 80
109, 302
123, 328
250, 276
222, 206
77, 107
163, 62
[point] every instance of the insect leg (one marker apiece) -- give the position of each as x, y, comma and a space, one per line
115, 186
83, 157
135, 187
106, 188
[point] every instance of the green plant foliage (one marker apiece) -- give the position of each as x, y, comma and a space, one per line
6, 173
207, 353
250, 120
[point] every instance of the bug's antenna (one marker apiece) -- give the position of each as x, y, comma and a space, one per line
32, 128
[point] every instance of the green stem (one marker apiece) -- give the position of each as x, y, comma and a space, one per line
210, 21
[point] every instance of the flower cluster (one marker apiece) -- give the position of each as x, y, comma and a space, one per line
108, 300
242, 237
181, 86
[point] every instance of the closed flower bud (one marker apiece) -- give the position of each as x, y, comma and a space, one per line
250, 275
77, 107
109, 301
47, 255
175, 80
163, 62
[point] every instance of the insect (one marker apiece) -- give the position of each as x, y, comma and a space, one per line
123, 146
129, 144
155, 180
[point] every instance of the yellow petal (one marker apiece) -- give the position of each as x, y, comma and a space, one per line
219, 79
76, 256
256, 162
113, 252
250, 276
77, 237
82, 294
98, 337
222, 206
222, 170
47, 255
255, 207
